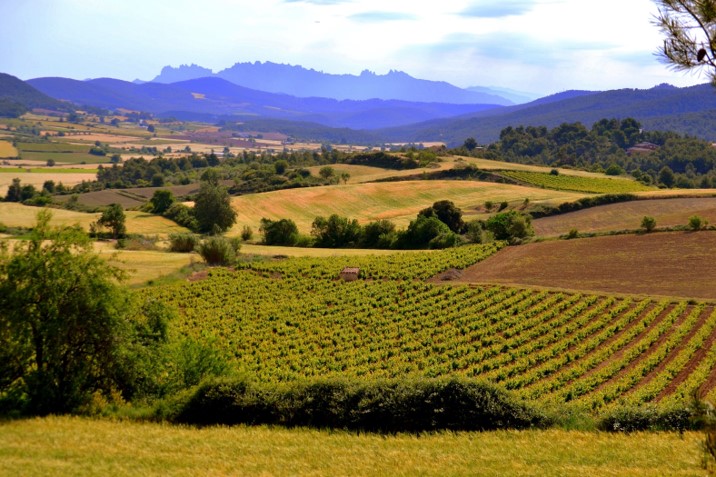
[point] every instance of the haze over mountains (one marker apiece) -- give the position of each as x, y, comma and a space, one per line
212, 98
306, 83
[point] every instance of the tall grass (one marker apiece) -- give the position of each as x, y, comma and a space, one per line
75, 446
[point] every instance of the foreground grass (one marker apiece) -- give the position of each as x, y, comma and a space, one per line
77, 446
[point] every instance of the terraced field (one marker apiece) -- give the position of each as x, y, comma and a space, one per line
291, 319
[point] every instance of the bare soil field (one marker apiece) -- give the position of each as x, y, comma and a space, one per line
676, 264
628, 215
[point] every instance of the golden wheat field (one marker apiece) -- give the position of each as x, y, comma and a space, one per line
396, 201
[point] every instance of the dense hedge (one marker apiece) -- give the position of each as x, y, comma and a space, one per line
650, 418
379, 406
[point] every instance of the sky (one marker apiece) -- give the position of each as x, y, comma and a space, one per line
536, 46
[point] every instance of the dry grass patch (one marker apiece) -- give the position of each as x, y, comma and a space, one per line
396, 201
7, 149
143, 266
677, 264
18, 215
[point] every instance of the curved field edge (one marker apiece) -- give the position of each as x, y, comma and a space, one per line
292, 320
65, 445
396, 201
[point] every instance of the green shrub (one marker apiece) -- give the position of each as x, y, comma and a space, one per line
183, 243
648, 418
217, 250
696, 223
247, 233
648, 223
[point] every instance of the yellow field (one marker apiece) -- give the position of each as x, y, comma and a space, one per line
7, 149
18, 215
143, 266
396, 201
38, 178
75, 446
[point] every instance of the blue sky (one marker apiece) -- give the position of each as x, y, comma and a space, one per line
539, 46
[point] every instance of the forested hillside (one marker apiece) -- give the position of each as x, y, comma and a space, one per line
672, 161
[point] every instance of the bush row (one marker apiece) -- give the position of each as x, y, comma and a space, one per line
382, 406
651, 418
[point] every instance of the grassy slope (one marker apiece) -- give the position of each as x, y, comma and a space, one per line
398, 201
63, 446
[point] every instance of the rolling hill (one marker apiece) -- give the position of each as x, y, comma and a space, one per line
16, 96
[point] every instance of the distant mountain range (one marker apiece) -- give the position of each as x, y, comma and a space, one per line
213, 98
689, 110
305, 83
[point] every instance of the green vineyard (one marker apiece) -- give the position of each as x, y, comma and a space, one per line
291, 319
594, 185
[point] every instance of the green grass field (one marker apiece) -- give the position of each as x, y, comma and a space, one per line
75, 446
596, 185
66, 158
56, 147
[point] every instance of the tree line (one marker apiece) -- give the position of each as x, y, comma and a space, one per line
438, 226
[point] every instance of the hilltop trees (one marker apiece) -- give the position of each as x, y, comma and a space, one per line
689, 27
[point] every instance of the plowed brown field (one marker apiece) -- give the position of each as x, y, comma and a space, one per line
628, 216
679, 264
